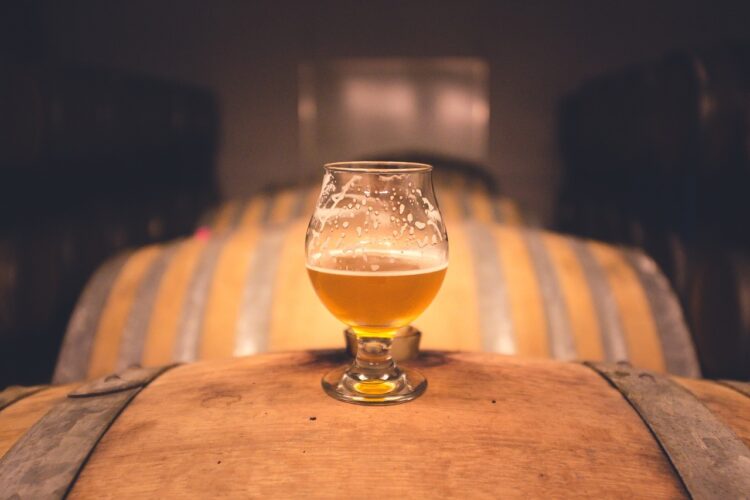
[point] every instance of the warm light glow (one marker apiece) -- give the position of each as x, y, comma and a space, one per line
358, 108
389, 98
306, 108
458, 106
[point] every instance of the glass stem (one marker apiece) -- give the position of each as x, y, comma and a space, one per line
374, 361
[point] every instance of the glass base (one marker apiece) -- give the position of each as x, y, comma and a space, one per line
400, 386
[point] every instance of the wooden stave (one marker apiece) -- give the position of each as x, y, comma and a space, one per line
474, 199
286, 252
214, 393
712, 283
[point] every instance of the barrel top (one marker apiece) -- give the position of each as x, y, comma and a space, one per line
488, 424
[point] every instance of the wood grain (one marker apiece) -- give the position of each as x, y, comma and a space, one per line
644, 346
106, 346
488, 427
165, 315
308, 324
225, 295
577, 296
526, 307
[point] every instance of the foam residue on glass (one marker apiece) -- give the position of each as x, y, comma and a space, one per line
394, 216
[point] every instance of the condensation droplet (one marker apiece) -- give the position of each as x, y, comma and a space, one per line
409, 217
420, 225
401, 208
345, 224
374, 267
359, 231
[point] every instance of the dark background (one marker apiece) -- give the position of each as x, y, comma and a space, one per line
217, 82
248, 52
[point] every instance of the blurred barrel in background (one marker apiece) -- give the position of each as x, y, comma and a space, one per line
720, 313
658, 156
241, 288
664, 143
460, 195
261, 426
92, 161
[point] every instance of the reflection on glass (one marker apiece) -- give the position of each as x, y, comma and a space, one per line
377, 253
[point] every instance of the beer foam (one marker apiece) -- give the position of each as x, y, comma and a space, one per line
376, 272
378, 262
383, 214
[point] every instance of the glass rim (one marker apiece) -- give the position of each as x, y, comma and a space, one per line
379, 167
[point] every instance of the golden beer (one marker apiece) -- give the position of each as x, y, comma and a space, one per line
376, 303
376, 252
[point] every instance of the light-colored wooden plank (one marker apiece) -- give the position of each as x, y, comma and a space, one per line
452, 320
527, 310
298, 318
168, 305
225, 294
584, 324
109, 333
642, 337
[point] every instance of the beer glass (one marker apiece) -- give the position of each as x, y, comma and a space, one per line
377, 253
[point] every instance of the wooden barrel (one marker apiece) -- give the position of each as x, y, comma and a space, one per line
720, 313
466, 198
664, 141
508, 290
488, 426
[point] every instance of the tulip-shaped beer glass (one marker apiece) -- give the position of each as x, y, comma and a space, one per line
377, 253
